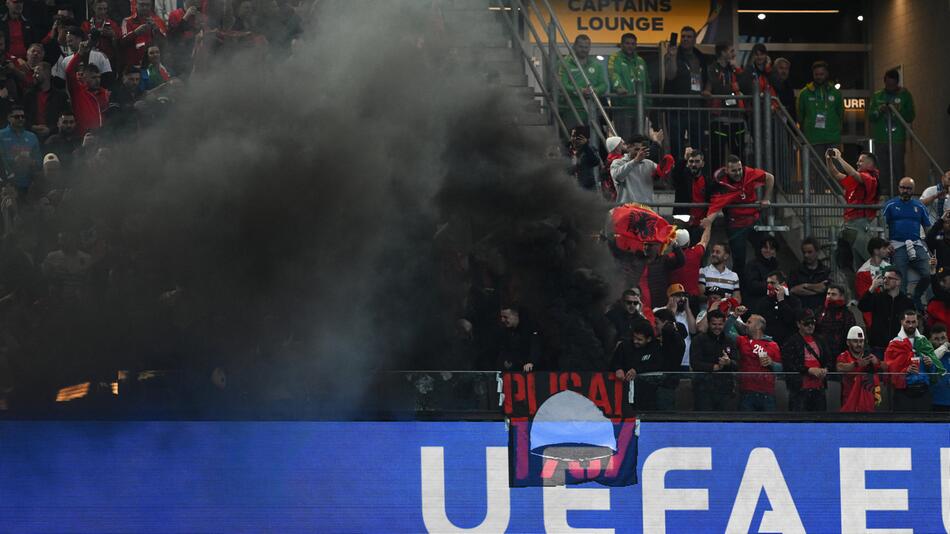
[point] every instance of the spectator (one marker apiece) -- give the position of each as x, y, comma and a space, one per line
811, 359
624, 313
755, 284
54, 44
718, 274
43, 103
140, 31
873, 268
912, 354
821, 110
783, 88
859, 367
153, 73
66, 141
184, 24
878, 111
736, 184
20, 150
616, 149
810, 280
519, 344
85, 99
885, 307
938, 309
74, 37
643, 354
692, 261
685, 75
757, 77
65, 269
728, 127
779, 308
583, 158
677, 304
27, 71
716, 299
941, 390
634, 173
655, 278
937, 240
756, 355
689, 185
906, 218
935, 197
860, 187
106, 29
711, 357
126, 100
673, 340
628, 77
18, 33
835, 320
572, 70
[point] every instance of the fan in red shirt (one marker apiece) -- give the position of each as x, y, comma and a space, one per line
760, 357
140, 31
860, 387
85, 96
736, 184
108, 29
860, 187
688, 274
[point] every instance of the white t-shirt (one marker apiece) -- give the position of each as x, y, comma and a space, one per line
96, 58
727, 279
932, 208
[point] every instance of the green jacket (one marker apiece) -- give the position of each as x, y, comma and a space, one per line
820, 112
904, 103
594, 73
630, 73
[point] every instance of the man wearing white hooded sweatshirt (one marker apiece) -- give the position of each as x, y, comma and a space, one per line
633, 174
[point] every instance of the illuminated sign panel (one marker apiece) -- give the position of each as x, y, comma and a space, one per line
443, 477
604, 21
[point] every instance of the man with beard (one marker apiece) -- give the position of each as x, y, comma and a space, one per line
689, 185
755, 283
575, 70
712, 358
885, 302
629, 77
906, 217
912, 356
625, 312
685, 75
810, 280
835, 319
718, 274
759, 357
858, 364
736, 184
643, 353
779, 308
860, 187
878, 249
811, 359
821, 110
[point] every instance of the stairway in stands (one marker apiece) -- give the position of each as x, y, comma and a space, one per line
481, 39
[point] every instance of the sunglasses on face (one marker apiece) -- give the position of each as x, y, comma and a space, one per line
631, 302
808, 323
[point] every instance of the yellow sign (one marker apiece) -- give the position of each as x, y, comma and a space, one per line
604, 21
854, 103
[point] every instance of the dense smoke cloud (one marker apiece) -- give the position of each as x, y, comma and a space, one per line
288, 210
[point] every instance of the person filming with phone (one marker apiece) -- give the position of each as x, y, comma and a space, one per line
860, 185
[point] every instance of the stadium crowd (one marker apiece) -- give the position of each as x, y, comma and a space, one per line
732, 323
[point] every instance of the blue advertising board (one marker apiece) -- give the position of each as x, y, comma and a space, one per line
446, 477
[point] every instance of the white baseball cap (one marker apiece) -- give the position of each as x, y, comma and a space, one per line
612, 143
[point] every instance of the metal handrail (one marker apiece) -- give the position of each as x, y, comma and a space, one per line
570, 50
799, 137
913, 136
537, 76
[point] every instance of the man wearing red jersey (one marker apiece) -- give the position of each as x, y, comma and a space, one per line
140, 31
736, 184
85, 99
757, 354
687, 275
860, 187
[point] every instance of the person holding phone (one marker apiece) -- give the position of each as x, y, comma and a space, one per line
685, 68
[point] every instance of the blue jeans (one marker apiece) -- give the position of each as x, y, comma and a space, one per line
920, 264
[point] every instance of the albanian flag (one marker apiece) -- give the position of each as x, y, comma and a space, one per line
633, 225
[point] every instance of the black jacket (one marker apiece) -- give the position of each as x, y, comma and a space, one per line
30, 34
518, 346
793, 359
655, 357
779, 316
680, 84
804, 275
56, 103
756, 272
938, 243
621, 320
886, 312
705, 352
